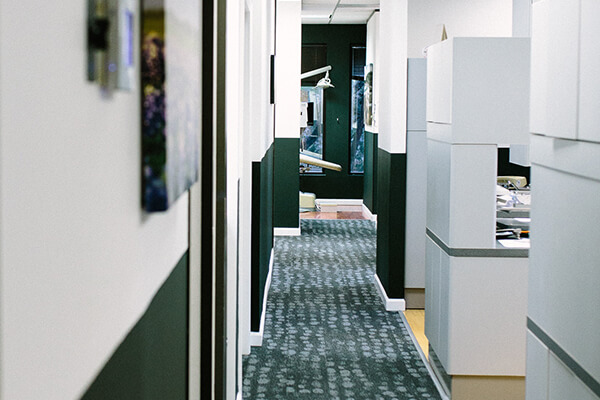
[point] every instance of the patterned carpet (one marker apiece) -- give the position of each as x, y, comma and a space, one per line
327, 335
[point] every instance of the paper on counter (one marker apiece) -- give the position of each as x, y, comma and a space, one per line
515, 244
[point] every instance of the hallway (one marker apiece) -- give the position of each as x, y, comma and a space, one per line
327, 335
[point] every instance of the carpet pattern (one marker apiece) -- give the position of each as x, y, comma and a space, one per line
327, 334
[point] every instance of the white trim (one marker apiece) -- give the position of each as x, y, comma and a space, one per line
340, 202
434, 377
287, 231
390, 304
239, 396
368, 214
256, 338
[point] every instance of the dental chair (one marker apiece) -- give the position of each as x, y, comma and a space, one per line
307, 200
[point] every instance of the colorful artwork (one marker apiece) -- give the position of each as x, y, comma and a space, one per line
368, 97
170, 68
357, 127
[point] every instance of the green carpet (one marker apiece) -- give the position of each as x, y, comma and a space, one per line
327, 334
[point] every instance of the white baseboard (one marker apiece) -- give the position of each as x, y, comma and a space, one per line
368, 214
434, 377
390, 304
256, 338
287, 231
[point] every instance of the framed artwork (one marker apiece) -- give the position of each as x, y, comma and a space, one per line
368, 97
170, 90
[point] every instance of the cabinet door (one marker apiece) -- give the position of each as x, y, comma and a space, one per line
439, 83
564, 384
539, 67
563, 69
589, 90
432, 293
537, 369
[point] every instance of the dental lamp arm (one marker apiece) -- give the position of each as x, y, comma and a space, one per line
306, 159
315, 72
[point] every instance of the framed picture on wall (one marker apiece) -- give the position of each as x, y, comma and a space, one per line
170, 90
368, 96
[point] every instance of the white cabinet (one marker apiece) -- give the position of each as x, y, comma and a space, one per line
540, 26
475, 313
562, 79
461, 193
490, 90
565, 60
416, 177
563, 319
537, 378
589, 91
438, 187
439, 83
563, 384
481, 87
564, 275
488, 82
476, 291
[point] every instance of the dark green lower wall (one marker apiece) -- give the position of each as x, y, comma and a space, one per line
286, 182
262, 233
391, 221
152, 361
370, 176
326, 187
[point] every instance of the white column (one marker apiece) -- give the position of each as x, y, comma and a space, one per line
287, 68
393, 59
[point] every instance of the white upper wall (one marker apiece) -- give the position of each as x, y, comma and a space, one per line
392, 70
475, 18
262, 46
80, 261
287, 68
372, 57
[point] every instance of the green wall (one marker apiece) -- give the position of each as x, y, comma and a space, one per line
391, 222
339, 39
152, 361
370, 177
262, 233
286, 183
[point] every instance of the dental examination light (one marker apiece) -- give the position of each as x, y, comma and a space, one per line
323, 82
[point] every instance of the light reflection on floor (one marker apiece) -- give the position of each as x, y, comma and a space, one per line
331, 215
416, 320
344, 212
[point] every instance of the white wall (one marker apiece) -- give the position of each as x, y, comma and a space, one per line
257, 32
234, 124
462, 18
392, 69
372, 57
287, 68
80, 261
247, 66
245, 206
261, 111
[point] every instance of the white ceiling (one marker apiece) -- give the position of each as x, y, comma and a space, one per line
338, 11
